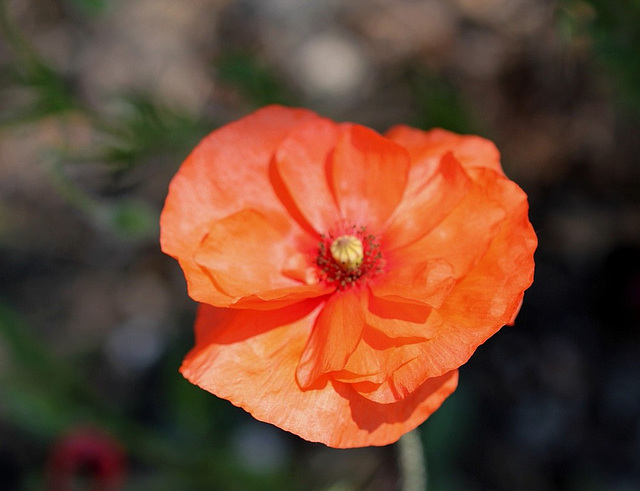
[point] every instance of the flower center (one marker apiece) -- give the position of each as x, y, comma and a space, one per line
346, 258
347, 251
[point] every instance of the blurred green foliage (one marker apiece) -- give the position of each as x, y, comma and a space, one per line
44, 397
446, 429
614, 30
438, 102
28, 71
144, 129
141, 130
91, 7
252, 79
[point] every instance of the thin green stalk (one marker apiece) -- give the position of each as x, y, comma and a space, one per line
413, 464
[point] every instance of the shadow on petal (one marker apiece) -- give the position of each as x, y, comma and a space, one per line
227, 326
416, 407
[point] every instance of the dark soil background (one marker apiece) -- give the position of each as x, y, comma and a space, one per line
100, 101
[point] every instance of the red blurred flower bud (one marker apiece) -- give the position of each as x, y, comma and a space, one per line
86, 459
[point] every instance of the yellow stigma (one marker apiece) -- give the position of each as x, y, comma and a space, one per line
347, 251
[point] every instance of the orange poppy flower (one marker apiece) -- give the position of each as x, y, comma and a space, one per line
343, 276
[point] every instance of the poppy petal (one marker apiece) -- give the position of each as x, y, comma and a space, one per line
301, 173
427, 282
346, 352
428, 200
398, 318
234, 347
381, 424
225, 173
377, 356
336, 333
400, 384
486, 298
245, 254
426, 147
498, 281
368, 175
476, 216
408, 376
395, 337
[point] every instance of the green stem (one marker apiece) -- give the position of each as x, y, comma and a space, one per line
413, 463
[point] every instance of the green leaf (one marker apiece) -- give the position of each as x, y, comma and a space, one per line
254, 80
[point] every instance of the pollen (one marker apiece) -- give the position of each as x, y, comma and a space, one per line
349, 257
347, 251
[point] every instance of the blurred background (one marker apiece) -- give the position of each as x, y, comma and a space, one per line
100, 101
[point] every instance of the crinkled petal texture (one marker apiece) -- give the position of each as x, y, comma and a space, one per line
251, 359
351, 365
